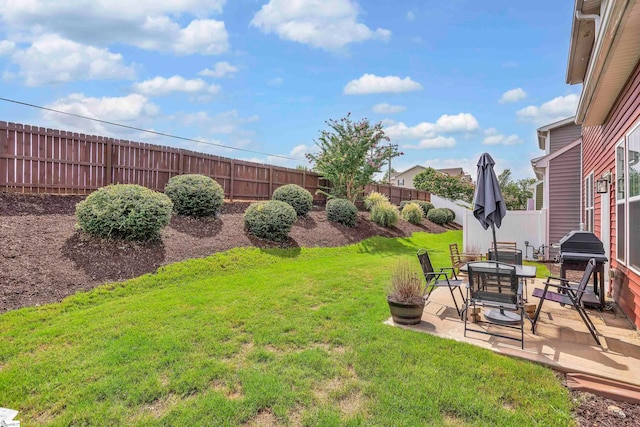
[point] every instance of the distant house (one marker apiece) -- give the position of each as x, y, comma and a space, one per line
405, 178
559, 179
604, 56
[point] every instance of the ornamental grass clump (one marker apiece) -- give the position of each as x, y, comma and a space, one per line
124, 211
412, 212
384, 214
271, 220
342, 211
373, 199
195, 195
438, 216
300, 199
426, 206
406, 285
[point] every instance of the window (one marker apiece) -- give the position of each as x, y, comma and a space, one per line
401, 182
621, 190
588, 202
628, 199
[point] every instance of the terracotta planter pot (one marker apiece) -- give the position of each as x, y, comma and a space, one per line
406, 314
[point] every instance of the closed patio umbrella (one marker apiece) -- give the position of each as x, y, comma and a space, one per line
488, 205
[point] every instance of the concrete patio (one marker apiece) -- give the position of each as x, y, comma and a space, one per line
562, 341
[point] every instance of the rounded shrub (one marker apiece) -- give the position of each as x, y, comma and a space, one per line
271, 220
384, 214
342, 211
426, 206
124, 211
195, 195
373, 199
412, 212
452, 214
438, 216
300, 199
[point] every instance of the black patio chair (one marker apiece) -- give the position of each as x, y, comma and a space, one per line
494, 285
569, 293
509, 255
444, 277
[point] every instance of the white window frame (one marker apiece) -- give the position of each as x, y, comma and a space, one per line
621, 201
629, 199
589, 211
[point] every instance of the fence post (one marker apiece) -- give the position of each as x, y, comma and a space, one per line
233, 171
181, 162
270, 181
304, 179
108, 172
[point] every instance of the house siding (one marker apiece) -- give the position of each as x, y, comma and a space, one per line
564, 200
562, 136
599, 144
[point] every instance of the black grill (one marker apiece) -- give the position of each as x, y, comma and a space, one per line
576, 249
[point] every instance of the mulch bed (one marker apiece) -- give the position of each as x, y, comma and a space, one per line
43, 259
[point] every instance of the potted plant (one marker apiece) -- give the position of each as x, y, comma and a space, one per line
405, 294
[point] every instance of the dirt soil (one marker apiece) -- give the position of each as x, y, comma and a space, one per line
43, 259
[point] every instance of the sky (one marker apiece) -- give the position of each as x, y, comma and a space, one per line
449, 80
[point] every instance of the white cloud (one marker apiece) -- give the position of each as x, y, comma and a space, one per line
132, 108
385, 108
325, 24
228, 122
411, 16
437, 142
52, 59
370, 83
160, 86
558, 108
493, 137
148, 24
6, 47
513, 95
220, 69
463, 122
276, 81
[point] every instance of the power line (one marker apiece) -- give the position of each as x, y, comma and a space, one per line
144, 130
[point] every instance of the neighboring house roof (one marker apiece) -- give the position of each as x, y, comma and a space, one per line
539, 164
604, 51
543, 132
448, 171
408, 170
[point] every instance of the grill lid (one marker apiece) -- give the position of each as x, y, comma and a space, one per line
582, 242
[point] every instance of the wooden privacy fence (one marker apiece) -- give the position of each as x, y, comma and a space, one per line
39, 160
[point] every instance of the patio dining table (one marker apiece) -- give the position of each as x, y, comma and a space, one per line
522, 271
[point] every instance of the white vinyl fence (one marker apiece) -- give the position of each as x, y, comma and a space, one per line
517, 226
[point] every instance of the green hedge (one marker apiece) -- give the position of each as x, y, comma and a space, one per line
195, 195
271, 220
438, 216
124, 211
342, 211
300, 199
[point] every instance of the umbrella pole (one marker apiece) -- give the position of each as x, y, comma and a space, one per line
495, 241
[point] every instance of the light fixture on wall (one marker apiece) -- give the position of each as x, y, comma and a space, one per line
602, 184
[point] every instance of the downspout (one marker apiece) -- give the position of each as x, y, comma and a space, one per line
596, 19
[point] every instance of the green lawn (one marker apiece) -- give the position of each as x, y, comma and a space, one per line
251, 336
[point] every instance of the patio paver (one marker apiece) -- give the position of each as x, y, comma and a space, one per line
562, 341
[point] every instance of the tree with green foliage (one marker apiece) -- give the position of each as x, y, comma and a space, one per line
444, 185
350, 154
515, 193
385, 177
